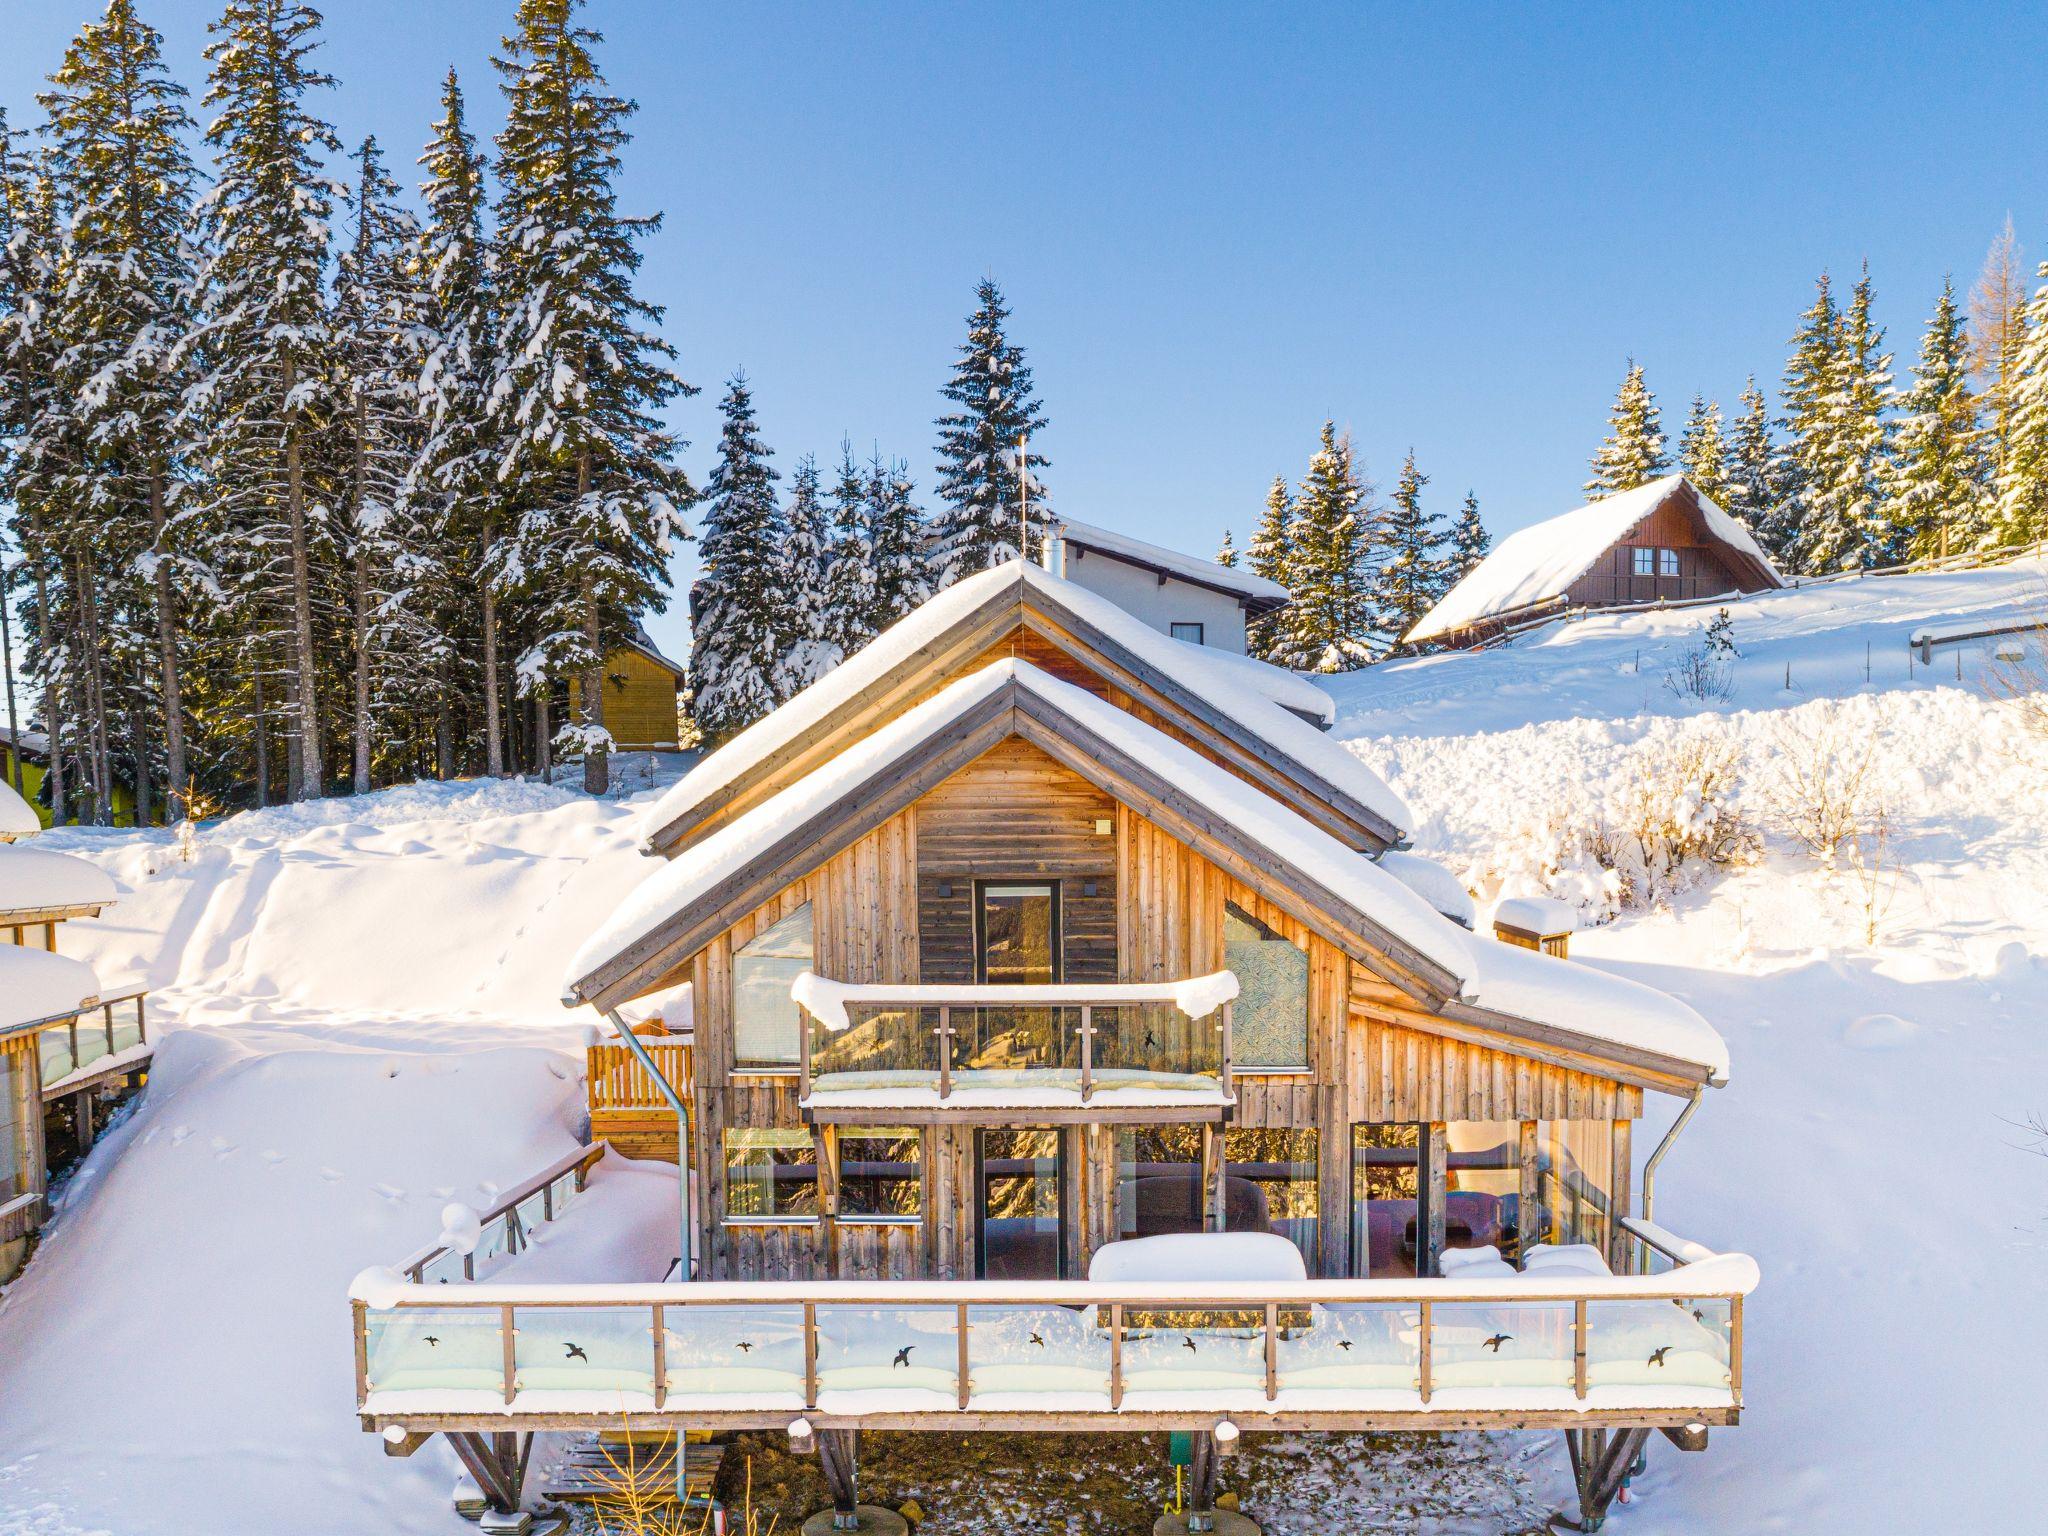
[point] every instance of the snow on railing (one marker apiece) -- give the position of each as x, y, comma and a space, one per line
507, 1228
1536, 1342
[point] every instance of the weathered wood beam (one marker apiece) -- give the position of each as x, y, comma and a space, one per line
480, 1460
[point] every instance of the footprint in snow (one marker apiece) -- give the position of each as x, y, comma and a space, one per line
274, 1157
388, 1191
332, 1175
222, 1147
179, 1135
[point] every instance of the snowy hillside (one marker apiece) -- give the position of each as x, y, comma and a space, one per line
1871, 1151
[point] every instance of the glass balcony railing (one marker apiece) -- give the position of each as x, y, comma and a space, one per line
112, 1027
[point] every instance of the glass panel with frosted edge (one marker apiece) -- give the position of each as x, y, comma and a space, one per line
1194, 1350
1269, 1025
54, 1047
494, 1243
866, 1349
533, 1214
996, 1046
1032, 1350
1483, 1184
1271, 1184
436, 1349
562, 1193
604, 1350
13, 1126
735, 1351
445, 1268
1352, 1347
1501, 1344
766, 1018
1659, 1343
1155, 1045
127, 1028
879, 1048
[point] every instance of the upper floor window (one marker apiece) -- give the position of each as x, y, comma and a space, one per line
881, 1173
1192, 633
1643, 562
1269, 1025
1667, 562
766, 1022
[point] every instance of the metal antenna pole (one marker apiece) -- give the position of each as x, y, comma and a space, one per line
1024, 497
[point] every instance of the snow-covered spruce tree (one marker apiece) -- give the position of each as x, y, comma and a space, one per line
1334, 563
1632, 453
1411, 575
577, 375
1226, 553
116, 133
901, 540
1936, 479
2020, 515
1469, 543
979, 486
849, 605
453, 486
1703, 451
398, 652
1749, 472
1851, 532
738, 606
1806, 468
1269, 555
269, 345
807, 651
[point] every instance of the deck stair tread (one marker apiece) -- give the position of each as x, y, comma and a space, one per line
599, 1467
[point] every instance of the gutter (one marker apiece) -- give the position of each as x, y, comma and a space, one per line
1664, 1146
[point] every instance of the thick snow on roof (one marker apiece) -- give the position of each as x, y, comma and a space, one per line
1196, 997
1192, 567
1537, 914
1432, 882
1290, 690
1560, 993
1540, 561
1196, 668
17, 816
36, 985
32, 877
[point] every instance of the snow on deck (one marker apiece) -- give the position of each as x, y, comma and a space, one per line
36, 985
34, 878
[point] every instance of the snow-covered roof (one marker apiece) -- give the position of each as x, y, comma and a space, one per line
36, 985
1261, 594
1223, 686
1290, 690
1542, 560
17, 817
1489, 974
1196, 997
1432, 882
1543, 915
33, 879
643, 642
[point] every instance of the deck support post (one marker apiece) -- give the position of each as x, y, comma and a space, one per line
838, 1453
1201, 1505
498, 1464
1601, 1461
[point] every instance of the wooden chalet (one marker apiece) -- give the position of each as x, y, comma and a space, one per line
1664, 542
1065, 1056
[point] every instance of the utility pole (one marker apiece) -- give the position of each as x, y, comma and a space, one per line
1024, 497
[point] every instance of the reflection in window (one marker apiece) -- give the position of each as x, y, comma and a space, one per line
14, 1126
1642, 562
1576, 1163
1270, 1185
1483, 1182
770, 1174
1667, 562
1159, 1180
1020, 1205
767, 1023
1387, 1223
1269, 1023
880, 1173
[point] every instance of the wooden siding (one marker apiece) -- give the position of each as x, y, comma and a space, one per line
23, 1083
639, 703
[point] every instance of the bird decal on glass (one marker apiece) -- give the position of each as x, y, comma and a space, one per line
1496, 1341
1657, 1356
1187, 1342
744, 1345
1038, 1339
430, 1341
575, 1352
1343, 1343
903, 1356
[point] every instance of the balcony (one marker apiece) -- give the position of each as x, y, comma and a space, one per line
1159, 1050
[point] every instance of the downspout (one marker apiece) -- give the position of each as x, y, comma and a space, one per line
1656, 1157
675, 1100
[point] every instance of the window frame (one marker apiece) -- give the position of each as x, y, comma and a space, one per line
1312, 1182
741, 1066
1056, 936
1642, 560
1175, 626
1668, 563
848, 1133
727, 1218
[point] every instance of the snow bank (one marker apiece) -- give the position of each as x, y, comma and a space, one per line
36, 985
17, 817
38, 877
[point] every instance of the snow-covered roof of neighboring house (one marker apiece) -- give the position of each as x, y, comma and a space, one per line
1223, 687
36, 986
1539, 562
33, 880
668, 916
643, 642
1256, 592
1290, 690
1432, 882
17, 817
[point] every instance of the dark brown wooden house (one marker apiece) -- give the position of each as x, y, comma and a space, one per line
1663, 542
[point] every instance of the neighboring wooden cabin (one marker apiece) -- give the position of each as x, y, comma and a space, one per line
1663, 542
33, 748
641, 686
1384, 1085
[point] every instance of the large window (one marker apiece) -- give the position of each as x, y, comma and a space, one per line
767, 1024
1269, 1024
14, 1124
881, 1173
1159, 1180
1576, 1163
1270, 1185
1642, 562
770, 1175
1192, 633
1388, 1227
1483, 1185
1019, 1177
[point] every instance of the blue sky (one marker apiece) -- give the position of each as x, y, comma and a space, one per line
1445, 227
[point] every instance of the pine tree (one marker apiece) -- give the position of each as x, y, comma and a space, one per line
737, 605
1998, 306
1805, 468
1412, 576
1226, 553
850, 589
1333, 560
1633, 452
1936, 481
1850, 532
267, 335
979, 446
578, 377
1469, 543
807, 648
1750, 476
117, 134
1268, 556
900, 538
2021, 513
453, 484
1703, 452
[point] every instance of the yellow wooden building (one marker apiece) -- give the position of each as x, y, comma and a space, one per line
640, 706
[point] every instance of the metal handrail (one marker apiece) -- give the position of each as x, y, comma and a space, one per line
581, 1161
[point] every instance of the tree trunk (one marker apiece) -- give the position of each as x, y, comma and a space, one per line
138, 743
596, 756
543, 744
444, 736
306, 688
167, 660
53, 710
361, 620
260, 735
94, 684
494, 747
294, 756
7, 670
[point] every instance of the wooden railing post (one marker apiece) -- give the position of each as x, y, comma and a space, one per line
660, 1356
960, 1329
1087, 1052
510, 1359
945, 1050
1226, 1050
1579, 1348
804, 1051
810, 1354
1422, 1354
1272, 1351
1735, 1349
362, 1320
1116, 1354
